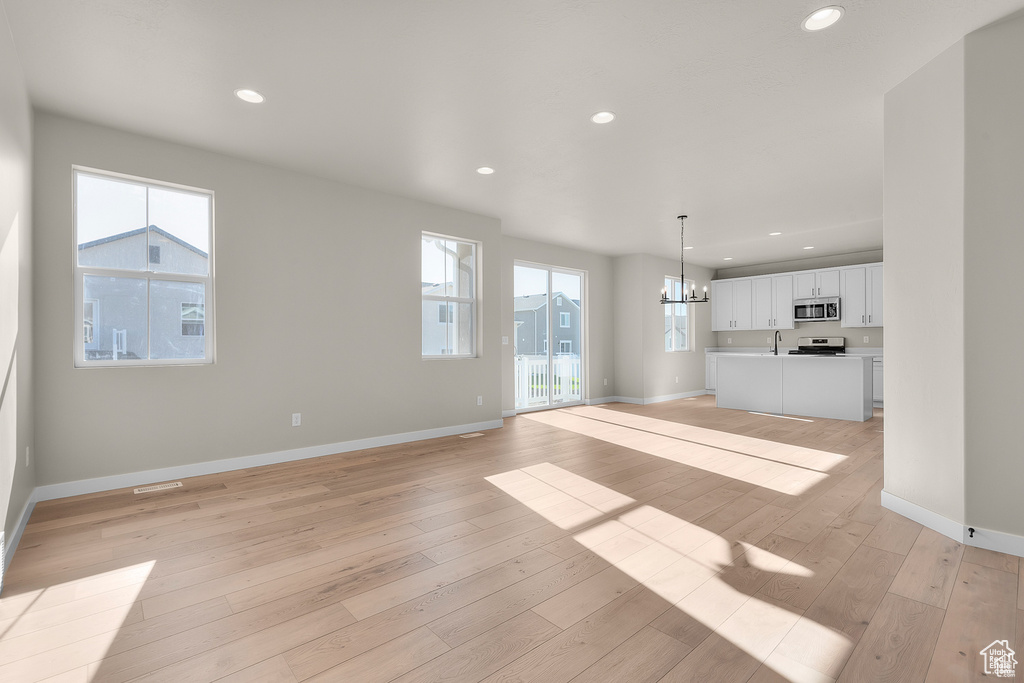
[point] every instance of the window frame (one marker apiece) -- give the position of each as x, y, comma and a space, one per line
564, 320
81, 272
561, 343
453, 301
670, 283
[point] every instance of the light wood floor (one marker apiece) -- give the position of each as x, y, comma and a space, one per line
672, 542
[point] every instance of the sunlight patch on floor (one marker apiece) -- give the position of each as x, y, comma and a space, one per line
781, 467
683, 563
65, 627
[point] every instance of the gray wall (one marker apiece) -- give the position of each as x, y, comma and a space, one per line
629, 326
598, 307
661, 368
285, 242
644, 371
16, 380
923, 214
993, 276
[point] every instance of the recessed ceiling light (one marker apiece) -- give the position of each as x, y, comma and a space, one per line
687, 247
485, 170
250, 96
822, 18
808, 247
603, 117
727, 258
773, 234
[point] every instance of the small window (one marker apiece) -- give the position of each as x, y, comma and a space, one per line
565, 346
154, 253
677, 320
449, 283
445, 313
564, 319
193, 320
558, 301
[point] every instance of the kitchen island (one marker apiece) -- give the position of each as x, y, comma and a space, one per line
836, 387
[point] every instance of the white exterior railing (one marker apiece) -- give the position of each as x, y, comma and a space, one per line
532, 380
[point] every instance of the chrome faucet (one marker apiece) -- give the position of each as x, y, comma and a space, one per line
775, 342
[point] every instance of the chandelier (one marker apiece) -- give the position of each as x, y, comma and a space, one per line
692, 297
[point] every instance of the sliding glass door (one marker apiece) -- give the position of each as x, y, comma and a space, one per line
548, 336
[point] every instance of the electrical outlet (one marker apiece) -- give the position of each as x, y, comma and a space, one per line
28, 456
296, 419
728, 340
504, 340
866, 340
677, 380
769, 340
606, 381
479, 400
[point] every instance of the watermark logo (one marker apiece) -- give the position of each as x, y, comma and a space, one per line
999, 659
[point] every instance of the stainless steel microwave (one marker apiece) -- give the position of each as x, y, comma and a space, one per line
815, 310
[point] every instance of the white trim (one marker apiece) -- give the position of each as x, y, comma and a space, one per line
131, 479
614, 399
999, 541
19, 529
674, 397
924, 516
508, 413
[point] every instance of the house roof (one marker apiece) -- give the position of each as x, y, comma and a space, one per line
531, 302
142, 231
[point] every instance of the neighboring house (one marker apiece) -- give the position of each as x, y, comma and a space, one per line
436, 316
114, 310
531, 316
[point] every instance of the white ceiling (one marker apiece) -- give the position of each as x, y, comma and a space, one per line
727, 110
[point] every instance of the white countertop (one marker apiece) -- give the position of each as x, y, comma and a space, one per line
784, 350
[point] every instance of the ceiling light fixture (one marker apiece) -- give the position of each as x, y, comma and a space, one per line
485, 170
727, 258
773, 234
250, 96
692, 298
808, 247
603, 117
822, 18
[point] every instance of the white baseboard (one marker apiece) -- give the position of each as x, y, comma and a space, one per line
924, 516
614, 399
988, 539
674, 397
11, 543
508, 413
118, 481
646, 401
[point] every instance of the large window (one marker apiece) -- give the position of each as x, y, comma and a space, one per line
143, 271
677, 320
448, 278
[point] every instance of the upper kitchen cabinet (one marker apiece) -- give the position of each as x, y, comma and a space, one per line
816, 283
862, 296
731, 305
773, 303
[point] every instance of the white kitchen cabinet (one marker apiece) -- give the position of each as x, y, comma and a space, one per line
816, 283
731, 304
876, 380
862, 296
875, 297
710, 371
773, 303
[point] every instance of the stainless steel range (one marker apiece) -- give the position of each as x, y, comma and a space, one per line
820, 346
